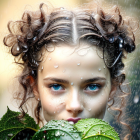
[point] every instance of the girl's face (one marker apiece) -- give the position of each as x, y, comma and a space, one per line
73, 83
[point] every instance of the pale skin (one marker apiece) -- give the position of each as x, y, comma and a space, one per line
72, 85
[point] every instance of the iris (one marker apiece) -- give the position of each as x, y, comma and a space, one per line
93, 87
56, 87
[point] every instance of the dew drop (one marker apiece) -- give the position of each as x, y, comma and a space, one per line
10, 135
56, 66
89, 109
57, 134
17, 48
63, 125
78, 64
136, 99
49, 58
63, 134
72, 83
49, 48
104, 67
82, 52
42, 68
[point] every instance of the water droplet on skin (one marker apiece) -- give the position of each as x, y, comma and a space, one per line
56, 66
54, 112
104, 67
42, 68
78, 64
72, 83
49, 58
99, 69
136, 99
83, 51
64, 71
49, 48
89, 109
81, 77
17, 48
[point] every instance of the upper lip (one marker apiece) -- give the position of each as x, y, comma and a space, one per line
75, 120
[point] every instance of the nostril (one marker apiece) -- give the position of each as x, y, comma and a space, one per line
75, 110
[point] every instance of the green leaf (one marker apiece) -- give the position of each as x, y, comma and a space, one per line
6, 116
10, 125
57, 130
96, 129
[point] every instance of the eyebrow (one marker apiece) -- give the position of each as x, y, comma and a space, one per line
67, 82
94, 80
57, 80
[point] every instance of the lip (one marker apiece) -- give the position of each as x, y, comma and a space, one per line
74, 120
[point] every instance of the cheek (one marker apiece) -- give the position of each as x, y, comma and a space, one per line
96, 105
51, 105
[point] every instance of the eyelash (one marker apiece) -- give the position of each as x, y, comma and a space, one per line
97, 87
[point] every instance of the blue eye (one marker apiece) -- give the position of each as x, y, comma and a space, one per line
56, 87
93, 87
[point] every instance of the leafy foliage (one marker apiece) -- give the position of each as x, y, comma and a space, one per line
58, 129
96, 129
13, 128
10, 125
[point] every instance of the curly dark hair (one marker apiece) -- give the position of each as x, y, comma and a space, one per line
107, 30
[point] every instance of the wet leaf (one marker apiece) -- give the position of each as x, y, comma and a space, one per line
57, 130
96, 129
6, 116
10, 125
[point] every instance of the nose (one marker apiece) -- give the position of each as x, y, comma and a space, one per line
74, 104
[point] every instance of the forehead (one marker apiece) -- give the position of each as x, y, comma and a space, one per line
83, 58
